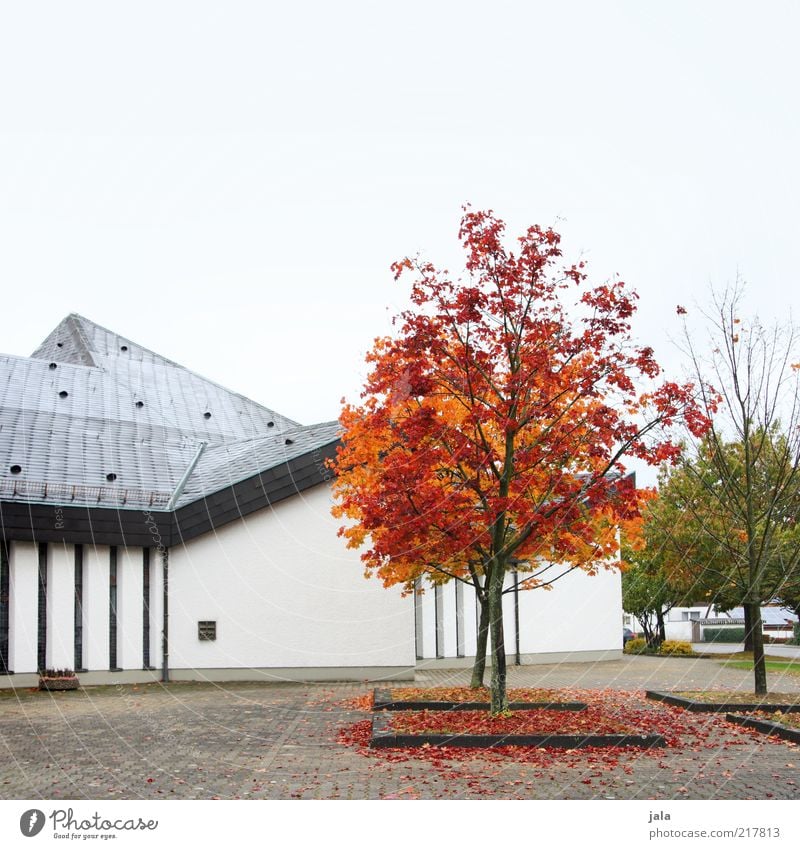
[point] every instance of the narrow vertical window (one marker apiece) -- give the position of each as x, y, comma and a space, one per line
41, 631
459, 619
146, 608
418, 619
78, 607
439, 611
112, 608
4, 608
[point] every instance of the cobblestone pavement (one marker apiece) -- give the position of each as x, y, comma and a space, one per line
250, 740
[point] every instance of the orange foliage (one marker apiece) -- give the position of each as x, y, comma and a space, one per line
494, 423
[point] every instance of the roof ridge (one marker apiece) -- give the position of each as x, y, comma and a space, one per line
82, 318
183, 368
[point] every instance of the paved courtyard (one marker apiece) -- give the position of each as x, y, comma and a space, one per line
278, 741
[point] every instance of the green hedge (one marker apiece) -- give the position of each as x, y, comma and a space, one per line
723, 635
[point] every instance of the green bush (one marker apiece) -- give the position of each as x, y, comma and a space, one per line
723, 635
796, 639
637, 645
675, 647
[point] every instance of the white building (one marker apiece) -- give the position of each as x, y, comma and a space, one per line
155, 524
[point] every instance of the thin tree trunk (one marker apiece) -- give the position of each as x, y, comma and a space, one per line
759, 664
479, 667
499, 696
662, 631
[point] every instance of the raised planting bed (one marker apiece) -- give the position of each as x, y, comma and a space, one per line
718, 701
462, 698
58, 684
766, 726
540, 728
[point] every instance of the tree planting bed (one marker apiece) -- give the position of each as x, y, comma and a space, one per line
540, 728
766, 726
461, 698
717, 701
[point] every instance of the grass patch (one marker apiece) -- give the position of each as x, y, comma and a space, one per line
777, 666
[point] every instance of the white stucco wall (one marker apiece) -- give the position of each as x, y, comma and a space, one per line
582, 613
61, 606
285, 592
95, 606
23, 596
129, 608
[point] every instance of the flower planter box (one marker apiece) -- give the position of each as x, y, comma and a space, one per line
58, 683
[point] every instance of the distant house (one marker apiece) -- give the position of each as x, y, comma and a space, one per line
156, 524
689, 623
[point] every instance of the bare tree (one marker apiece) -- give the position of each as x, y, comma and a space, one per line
741, 483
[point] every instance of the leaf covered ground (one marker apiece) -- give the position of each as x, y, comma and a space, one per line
686, 734
593, 720
481, 694
735, 697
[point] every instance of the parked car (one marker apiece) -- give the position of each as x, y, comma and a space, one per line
627, 634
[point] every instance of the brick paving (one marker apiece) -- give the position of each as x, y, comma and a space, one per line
278, 741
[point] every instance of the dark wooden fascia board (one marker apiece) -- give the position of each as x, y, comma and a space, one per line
142, 527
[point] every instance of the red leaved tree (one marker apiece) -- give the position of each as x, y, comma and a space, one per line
493, 425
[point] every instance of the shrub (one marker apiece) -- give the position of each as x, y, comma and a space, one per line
675, 647
637, 645
57, 673
796, 639
723, 635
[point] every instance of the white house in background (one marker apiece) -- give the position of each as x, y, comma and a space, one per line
156, 525
688, 623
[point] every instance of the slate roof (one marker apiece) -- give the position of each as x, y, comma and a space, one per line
94, 419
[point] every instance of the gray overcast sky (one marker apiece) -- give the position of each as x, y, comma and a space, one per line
227, 183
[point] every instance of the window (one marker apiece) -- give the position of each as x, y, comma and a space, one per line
439, 615
112, 608
146, 608
41, 637
4, 608
207, 630
459, 619
418, 619
78, 607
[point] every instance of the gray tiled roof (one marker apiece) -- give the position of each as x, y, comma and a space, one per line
90, 403
222, 465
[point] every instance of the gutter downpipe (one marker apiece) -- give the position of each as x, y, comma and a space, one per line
186, 475
165, 561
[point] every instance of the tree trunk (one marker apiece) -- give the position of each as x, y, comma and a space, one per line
662, 631
479, 667
759, 664
647, 631
499, 699
748, 627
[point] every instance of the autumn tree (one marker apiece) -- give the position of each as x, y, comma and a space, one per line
737, 492
494, 422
